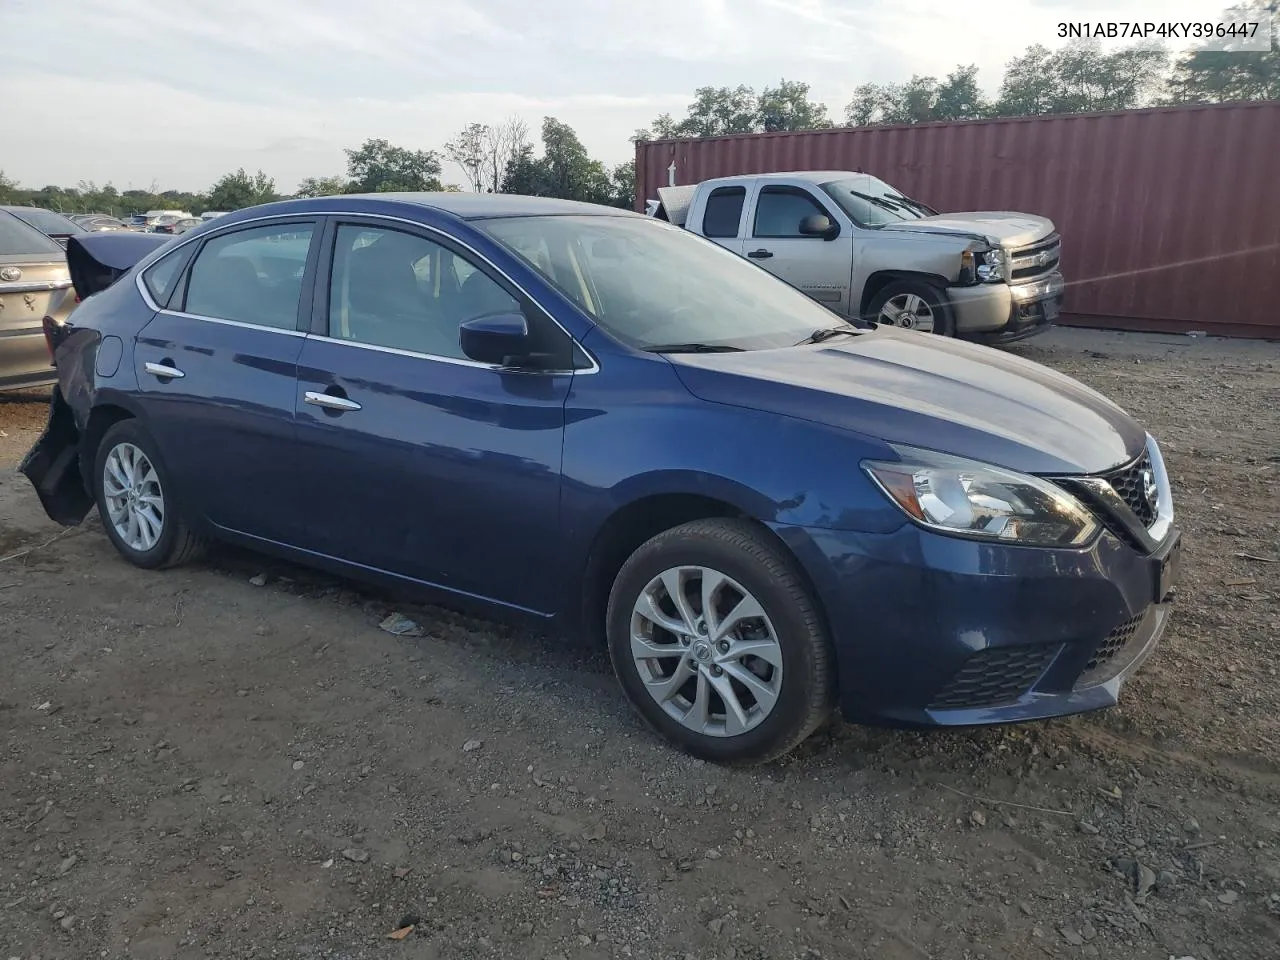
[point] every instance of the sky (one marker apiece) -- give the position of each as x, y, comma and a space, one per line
179, 92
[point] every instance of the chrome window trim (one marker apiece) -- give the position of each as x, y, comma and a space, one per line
234, 323
144, 264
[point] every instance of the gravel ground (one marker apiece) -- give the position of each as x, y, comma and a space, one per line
194, 765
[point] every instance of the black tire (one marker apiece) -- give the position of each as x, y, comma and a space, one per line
944, 321
177, 543
747, 554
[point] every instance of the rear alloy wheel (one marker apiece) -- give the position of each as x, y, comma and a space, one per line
912, 305
135, 502
718, 644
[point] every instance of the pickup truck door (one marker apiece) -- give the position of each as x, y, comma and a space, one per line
816, 266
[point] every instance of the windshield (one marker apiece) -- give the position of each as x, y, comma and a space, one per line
18, 239
650, 284
46, 221
873, 203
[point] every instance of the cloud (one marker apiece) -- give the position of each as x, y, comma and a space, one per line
180, 91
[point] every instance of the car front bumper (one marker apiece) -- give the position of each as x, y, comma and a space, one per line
1001, 313
931, 630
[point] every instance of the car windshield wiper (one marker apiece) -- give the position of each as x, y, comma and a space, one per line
925, 211
826, 333
694, 348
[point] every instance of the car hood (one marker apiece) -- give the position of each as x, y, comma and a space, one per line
928, 391
997, 227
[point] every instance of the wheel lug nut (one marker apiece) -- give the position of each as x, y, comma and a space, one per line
723, 646
716, 671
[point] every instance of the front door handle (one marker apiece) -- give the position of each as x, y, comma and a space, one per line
329, 401
761, 254
164, 371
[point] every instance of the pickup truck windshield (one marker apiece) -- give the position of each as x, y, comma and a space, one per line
652, 285
873, 203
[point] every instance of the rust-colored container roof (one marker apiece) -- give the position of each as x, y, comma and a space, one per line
1170, 217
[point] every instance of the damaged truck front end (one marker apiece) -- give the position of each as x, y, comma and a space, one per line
55, 465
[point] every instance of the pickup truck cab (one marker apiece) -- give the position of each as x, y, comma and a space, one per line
870, 253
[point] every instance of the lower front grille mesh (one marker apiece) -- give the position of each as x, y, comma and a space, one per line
994, 676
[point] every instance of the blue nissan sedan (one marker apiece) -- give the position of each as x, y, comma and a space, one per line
601, 424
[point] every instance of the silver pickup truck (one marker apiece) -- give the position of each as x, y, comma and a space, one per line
868, 252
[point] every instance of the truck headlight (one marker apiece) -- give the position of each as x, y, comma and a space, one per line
991, 264
972, 499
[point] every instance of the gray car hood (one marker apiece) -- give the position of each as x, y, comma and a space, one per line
997, 227
928, 391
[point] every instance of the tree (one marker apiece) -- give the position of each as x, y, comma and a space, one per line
525, 174
719, 111
570, 173
321, 187
1228, 72
788, 107
469, 151
379, 167
236, 190
502, 143
959, 97
624, 185
8, 189
1080, 77
566, 170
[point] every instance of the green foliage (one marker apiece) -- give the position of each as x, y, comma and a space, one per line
1079, 78
720, 111
379, 166
235, 191
321, 187
1216, 76
565, 170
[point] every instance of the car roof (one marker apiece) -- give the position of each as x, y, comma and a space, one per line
483, 206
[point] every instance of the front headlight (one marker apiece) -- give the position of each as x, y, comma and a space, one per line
991, 264
967, 498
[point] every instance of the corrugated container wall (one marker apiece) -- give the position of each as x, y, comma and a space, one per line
1170, 218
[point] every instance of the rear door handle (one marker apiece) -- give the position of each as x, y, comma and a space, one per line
164, 371
329, 401
760, 254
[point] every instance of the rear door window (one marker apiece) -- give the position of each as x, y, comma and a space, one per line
162, 276
251, 276
723, 215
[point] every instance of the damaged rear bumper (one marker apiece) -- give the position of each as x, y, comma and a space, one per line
53, 466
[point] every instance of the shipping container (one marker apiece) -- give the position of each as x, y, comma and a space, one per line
1170, 217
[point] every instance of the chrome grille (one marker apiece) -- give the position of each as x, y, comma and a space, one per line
1036, 260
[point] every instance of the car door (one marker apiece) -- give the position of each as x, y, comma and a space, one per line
817, 266
418, 461
217, 368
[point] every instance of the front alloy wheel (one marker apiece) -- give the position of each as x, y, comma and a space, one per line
909, 311
718, 643
706, 651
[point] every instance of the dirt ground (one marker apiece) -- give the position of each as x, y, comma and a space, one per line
193, 765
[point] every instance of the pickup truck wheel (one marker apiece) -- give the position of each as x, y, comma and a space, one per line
912, 305
718, 643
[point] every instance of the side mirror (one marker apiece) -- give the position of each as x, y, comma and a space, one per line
819, 225
499, 338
